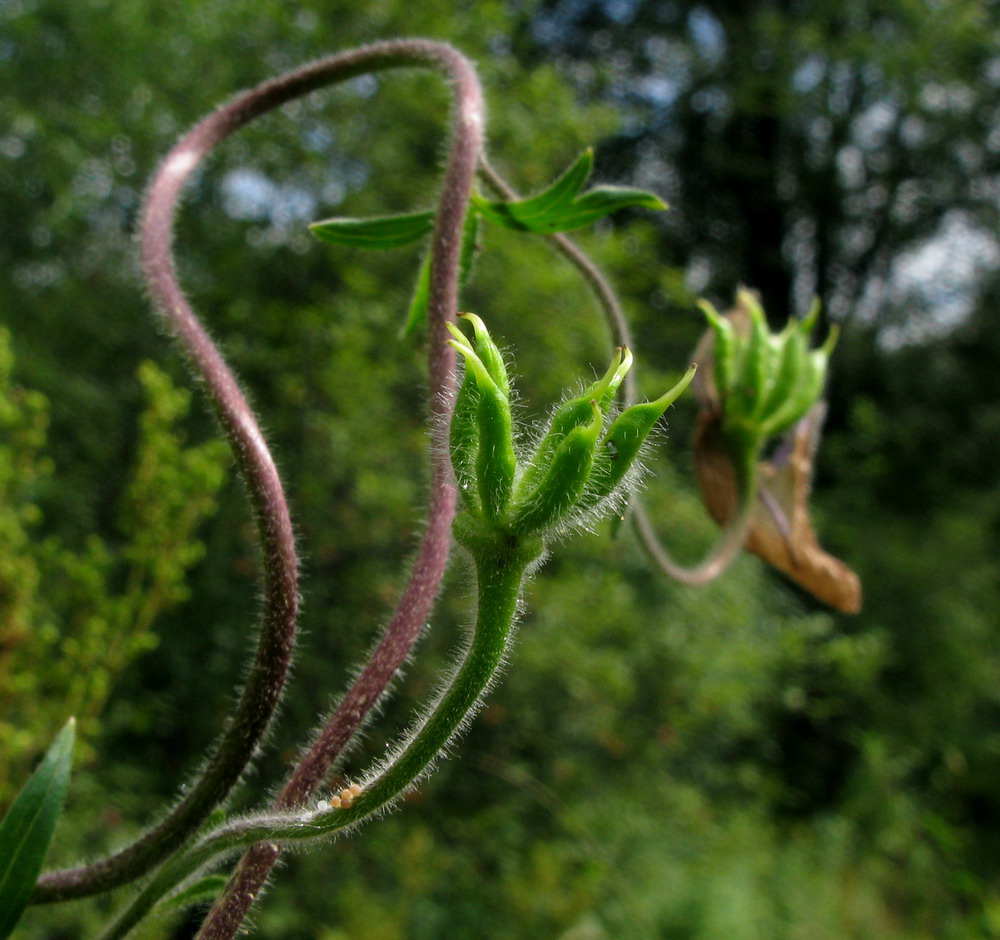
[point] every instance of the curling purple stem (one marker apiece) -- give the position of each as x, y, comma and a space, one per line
414, 606
269, 669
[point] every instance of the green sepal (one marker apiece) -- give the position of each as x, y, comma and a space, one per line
488, 353
565, 479
809, 321
724, 349
27, 828
808, 387
603, 391
751, 385
620, 446
790, 350
789, 368
375, 232
495, 459
561, 207
574, 412
496, 463
463, 442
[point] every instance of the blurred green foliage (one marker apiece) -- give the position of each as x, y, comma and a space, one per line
659, 762
73, 617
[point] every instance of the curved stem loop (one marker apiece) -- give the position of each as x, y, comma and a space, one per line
414, 606
269, 669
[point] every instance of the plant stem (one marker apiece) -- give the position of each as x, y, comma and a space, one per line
719, 557
265, 679
500, 573
413, 608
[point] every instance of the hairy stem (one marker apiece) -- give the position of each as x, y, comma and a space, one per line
719, 557
734, 533
267, 674
412, 611
500, 573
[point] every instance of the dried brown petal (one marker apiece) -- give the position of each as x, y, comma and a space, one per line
780, 530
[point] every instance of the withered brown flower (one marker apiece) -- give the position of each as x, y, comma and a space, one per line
780, 530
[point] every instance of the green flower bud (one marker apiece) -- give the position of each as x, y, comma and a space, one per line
566, 475
756, 365
488, 353
790, 346
573, 468
624, 439
806, 389
765, 382
576, 411
724, 348
492, 435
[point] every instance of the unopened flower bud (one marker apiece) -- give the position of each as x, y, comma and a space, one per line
576, 411
761, 383
578, 464
757, 385
565, 477
621, 444
485, 447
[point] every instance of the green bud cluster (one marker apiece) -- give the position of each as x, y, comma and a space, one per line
766, 381
577, 467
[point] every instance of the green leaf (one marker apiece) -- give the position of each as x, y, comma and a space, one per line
205, 889
596, 204
376, 232
561, 208
416, 314
562, 192
470, 248
26, 830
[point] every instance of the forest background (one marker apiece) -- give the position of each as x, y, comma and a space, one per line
660, 761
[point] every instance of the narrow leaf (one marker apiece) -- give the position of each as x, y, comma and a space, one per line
205, 889
26, 830
561, 208
519, 215
564, 190
386, 231
603, 200
416, 314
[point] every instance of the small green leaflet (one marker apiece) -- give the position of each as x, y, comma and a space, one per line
26, 830
562, 192
384, 231
561, 207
